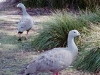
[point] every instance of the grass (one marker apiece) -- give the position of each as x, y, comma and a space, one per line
90, 17
89, 61
55, 31
88, 58
14, 55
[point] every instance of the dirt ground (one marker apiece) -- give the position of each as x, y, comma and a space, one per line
14, 55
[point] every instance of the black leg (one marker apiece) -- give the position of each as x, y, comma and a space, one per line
19, 39
19, 35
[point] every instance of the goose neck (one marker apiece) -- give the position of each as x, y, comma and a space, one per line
24, 11
72, 47
71, 44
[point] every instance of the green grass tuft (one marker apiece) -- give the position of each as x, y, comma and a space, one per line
89, 61
55, 31
90, 17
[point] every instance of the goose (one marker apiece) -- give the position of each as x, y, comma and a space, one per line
25, 23
56, 59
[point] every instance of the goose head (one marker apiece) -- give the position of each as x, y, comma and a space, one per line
20, 5
73, 33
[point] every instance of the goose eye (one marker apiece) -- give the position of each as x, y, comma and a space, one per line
74, 32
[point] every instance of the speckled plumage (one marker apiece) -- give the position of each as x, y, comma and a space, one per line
55, 59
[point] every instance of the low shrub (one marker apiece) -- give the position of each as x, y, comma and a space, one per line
89, 61
55, 31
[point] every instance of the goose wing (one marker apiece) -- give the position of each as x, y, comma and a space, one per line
54, 60
25, 23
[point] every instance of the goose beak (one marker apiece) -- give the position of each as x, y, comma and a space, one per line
78, 34
18, 5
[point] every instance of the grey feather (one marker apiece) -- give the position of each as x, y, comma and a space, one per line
26, 21
55, 59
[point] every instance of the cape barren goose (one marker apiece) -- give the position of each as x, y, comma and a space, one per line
55, 59
25, 23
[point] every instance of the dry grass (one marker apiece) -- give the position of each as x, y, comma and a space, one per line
14, 55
